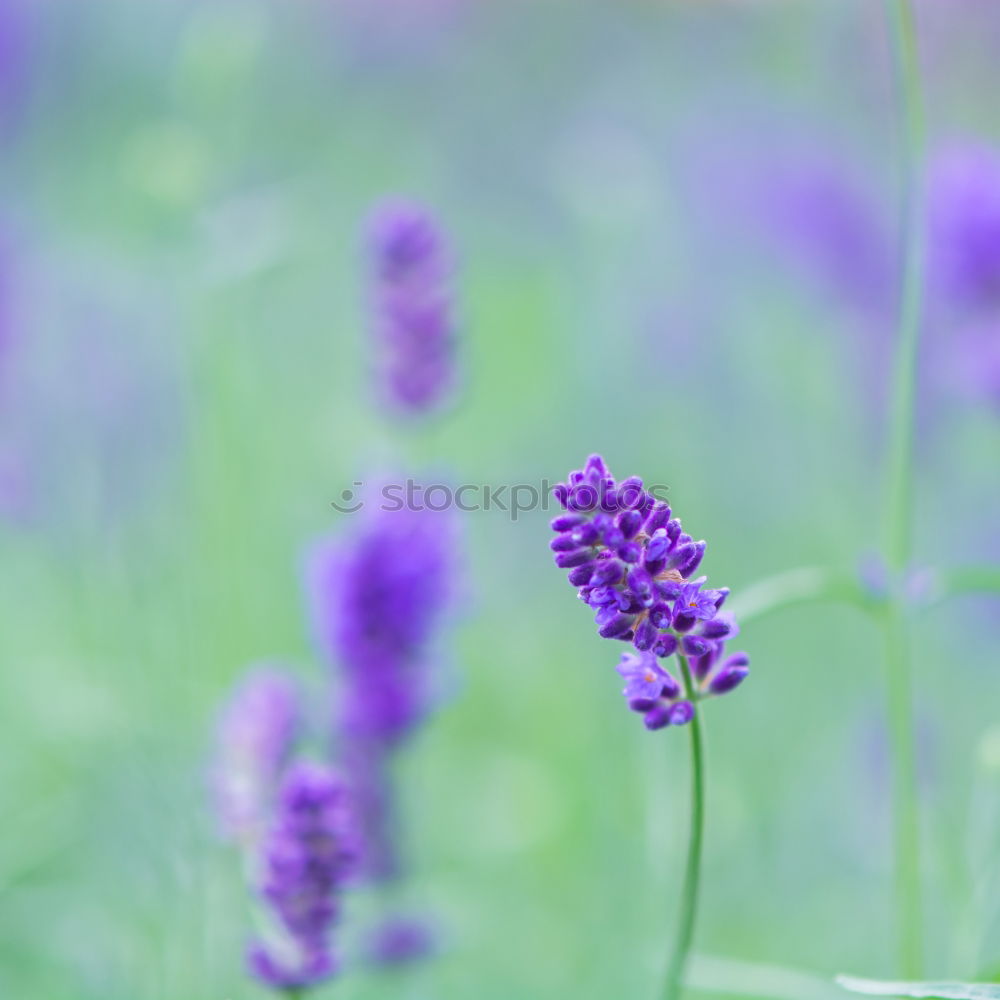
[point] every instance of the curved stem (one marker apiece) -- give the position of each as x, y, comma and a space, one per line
797, 586
899, 499
692, 871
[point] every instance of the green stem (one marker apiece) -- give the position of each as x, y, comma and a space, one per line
899, 500
692, 871
905, 803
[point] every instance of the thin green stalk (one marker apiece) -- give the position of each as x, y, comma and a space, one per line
692, 871
905, 802
899, 499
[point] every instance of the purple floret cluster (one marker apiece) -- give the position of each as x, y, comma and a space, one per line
307, 856
632, 563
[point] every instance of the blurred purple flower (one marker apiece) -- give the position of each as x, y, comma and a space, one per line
308, 855
412, 308
255, 736
376, 599
964, 199
829, 223
632, 564
400, 941
964, 210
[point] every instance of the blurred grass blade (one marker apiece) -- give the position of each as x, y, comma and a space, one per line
711, 974
942, 991
796, 586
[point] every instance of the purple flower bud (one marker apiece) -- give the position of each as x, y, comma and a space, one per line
586, 534
669, 590
728, 678
595, 464
690, 564
564, 543
582, 497
617, 626
723, 627
671, 688
665, 645
629, 523
612, 537
658, 716
695, 645
581, 574
641, 704
658, 546
601, 597
566, 522
630, 493
681, 713
661, 615
701, 666
567, 560
718, 596
657, 519
640, 583
561, 492
607, 571
683, 622
630, 552
645, 636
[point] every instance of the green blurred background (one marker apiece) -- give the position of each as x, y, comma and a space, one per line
184, 387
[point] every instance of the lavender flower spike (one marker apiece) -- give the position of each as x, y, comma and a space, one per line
412, 307
308, 855
376, 599
255, 736
632, 564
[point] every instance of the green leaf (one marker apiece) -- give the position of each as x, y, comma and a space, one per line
942, 991
716, 974
797, 586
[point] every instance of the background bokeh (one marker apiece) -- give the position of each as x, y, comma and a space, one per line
676, 228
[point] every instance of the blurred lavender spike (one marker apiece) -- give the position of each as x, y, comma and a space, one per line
306, 858
376, 598
256, 733
964, 195
411, 304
